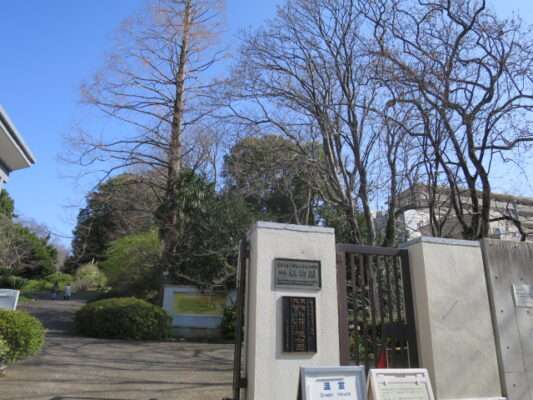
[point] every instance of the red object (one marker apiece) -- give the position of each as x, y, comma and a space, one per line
382, 360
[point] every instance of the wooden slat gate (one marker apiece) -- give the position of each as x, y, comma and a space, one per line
376, 314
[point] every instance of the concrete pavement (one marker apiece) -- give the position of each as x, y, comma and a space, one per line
76, 368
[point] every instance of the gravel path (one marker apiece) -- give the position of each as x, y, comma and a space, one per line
76, 368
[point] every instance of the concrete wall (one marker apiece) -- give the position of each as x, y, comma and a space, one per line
454, 328
508, 264
271, 373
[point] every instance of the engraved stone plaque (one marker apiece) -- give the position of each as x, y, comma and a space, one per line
523, 295
297, 274
299, 325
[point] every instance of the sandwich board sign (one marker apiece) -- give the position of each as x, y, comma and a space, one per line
399, 384
8, 299
333, 383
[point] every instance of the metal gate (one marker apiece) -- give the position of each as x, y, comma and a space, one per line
239, 381
376, 314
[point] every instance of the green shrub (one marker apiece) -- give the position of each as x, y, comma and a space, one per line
89, 276
12, 282
131, 264
109, 294
228, 322
60, 278
123, 318
23, 333
4, 350
34, 285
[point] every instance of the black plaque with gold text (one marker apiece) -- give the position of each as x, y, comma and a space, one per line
299, 325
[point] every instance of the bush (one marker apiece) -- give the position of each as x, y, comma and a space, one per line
4, 350
228, 322
123, 318
60, 278
34, 285
109, 294
89, 276
131, 264
12, 282
23, 334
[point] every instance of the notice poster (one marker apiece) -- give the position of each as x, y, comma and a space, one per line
403, 391
400, 384
523, 295
333, 383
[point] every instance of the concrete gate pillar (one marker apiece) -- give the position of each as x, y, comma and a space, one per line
272, 373
454, 328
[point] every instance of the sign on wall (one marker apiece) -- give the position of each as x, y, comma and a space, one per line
297, 274
523, 295
299, 324
333, 383
199, 303
400, 384
190, 308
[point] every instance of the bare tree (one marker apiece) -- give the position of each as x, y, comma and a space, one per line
468, 74
154, 87
308, 77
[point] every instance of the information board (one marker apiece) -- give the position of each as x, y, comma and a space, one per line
9, 299
523, 295
297, 274
333, 383
400, 384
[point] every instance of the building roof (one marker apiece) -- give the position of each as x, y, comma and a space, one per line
14, 153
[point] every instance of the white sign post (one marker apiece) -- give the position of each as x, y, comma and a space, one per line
399, 384
9, 299
333, 383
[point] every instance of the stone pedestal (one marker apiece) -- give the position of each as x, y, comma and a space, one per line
271, 372
454, 328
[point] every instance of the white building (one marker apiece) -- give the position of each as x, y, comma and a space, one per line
14, 153
415, 216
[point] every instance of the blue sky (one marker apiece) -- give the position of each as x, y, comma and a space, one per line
47, 49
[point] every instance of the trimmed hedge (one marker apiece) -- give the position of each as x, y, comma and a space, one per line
123, 318
23, 334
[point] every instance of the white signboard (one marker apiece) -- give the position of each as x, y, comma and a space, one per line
333, 383
523, 295
9, 299
400, 384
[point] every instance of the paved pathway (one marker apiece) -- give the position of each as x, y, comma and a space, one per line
75, 368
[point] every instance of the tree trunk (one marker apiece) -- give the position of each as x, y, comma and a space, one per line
170, 222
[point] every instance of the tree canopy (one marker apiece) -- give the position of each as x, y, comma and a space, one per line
22, 251
273, 178
120, 206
